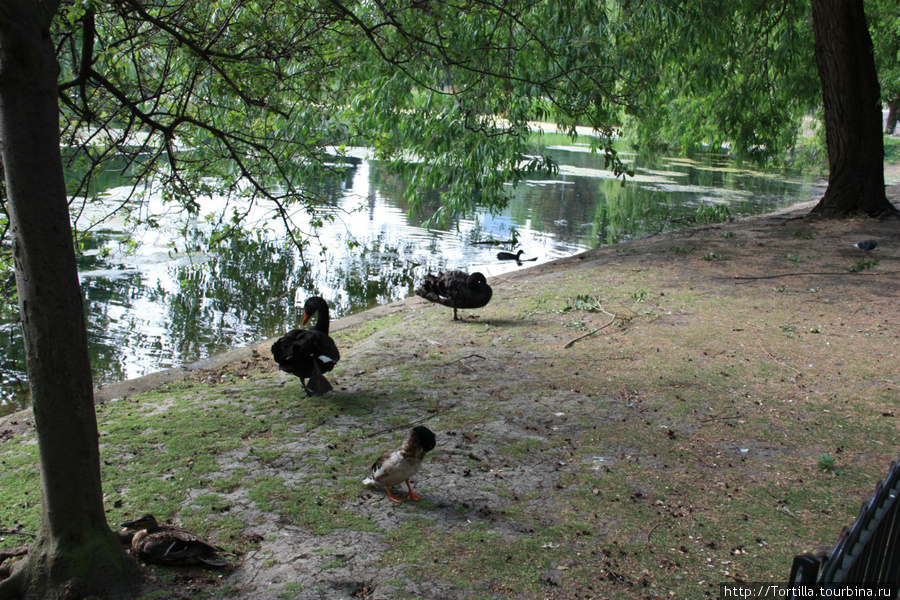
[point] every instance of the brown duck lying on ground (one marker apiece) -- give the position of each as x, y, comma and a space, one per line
456, 289
308, 353
170, 545
397, 466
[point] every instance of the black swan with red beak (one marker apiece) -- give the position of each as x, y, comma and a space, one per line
308, 353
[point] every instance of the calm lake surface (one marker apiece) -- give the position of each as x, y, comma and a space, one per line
164, 304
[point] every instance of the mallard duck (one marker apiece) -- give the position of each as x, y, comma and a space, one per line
170, 545
510, 255
397, 466
308, 353
456, 289
865, 246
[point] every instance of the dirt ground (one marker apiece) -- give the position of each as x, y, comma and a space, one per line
640, 421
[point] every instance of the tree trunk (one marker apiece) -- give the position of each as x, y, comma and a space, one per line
851, 99
892, 116
75, 554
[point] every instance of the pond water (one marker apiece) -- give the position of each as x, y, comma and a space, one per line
163, 304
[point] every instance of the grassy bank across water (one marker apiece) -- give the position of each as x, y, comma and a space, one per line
640, 421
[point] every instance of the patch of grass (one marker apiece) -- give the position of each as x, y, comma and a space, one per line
715, 213
157, 595
828, 463
712, 256
863, 264
20, 492
791, 257
891, 150
291, 590
467, 557
680, 250
805, 234
639, 295
789, 330
230, 482
310, 505
522, 448
347, 338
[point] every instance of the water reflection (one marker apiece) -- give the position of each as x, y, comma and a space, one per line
166, 304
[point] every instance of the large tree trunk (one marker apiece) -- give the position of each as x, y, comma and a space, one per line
75, 554
850, 90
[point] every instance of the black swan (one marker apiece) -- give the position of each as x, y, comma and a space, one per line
308, 353
397, 466
510, 255
456, 289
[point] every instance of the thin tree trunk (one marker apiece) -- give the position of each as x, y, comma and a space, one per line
893, 115
75, 554
851, 99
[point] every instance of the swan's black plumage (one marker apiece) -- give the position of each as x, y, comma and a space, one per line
308, 353
456, 289
510, 255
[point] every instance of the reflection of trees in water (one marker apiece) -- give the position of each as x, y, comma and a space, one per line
242, 293
106, 298
381, 270
13, 387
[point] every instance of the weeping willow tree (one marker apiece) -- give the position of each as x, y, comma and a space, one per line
747, 75
246, 100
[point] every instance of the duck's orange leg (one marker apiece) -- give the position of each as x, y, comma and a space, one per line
391, 496
412, 496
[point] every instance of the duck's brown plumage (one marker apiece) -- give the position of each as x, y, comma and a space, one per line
308, 353
170, 545
397, 466
456, 289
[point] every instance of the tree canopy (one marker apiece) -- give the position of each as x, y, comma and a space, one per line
264, 94
737, 74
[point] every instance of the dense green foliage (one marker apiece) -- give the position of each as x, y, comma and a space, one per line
266, 94
884, 23
740, 74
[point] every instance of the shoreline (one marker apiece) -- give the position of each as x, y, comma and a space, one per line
129, 387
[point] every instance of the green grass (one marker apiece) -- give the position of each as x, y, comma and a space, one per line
891, 150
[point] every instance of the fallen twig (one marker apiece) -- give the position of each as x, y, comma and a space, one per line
797, 371
411, 423
649, 533
16, 532
593, 331
750, 279
464, 358
725, 418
